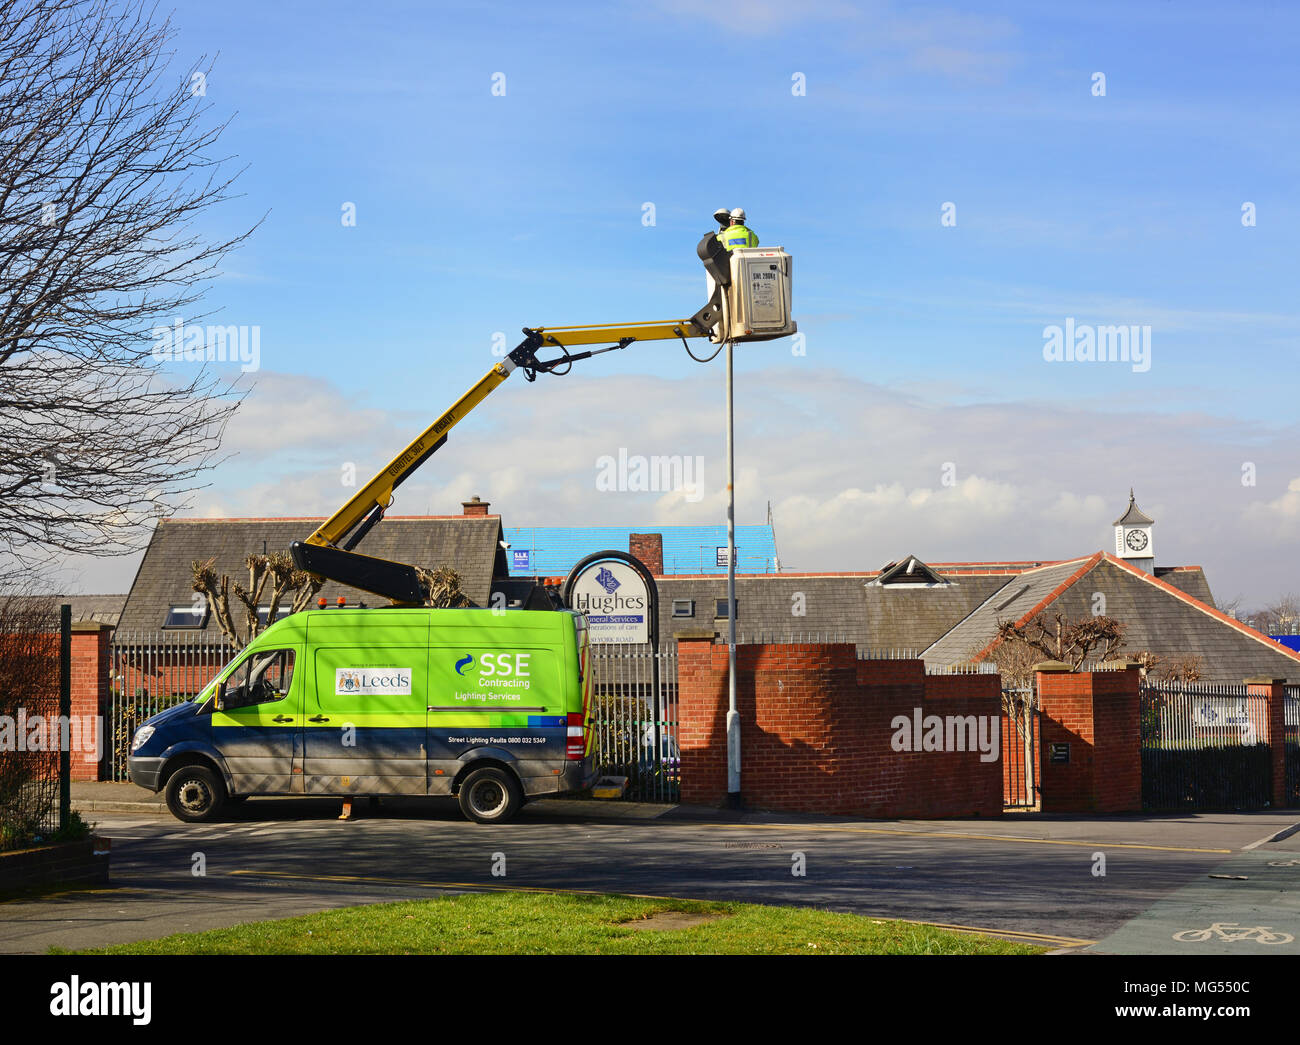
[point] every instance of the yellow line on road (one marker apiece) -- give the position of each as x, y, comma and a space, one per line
1064, 941
946, 834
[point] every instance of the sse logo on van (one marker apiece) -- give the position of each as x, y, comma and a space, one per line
501, 664
377, 681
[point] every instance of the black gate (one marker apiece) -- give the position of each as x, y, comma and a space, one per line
1204, 747
1020, 737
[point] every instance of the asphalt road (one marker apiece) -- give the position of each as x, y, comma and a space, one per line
1034, 878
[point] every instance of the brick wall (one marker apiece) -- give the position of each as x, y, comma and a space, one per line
817, 727
90, 666
1270, 723
1096, 713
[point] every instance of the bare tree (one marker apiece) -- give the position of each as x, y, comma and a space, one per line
441, 587
106, 166
1185, 668
1279, 617
1073, 642
293, 589
277, 570
1015, 662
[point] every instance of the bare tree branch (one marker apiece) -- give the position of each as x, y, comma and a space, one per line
106, 167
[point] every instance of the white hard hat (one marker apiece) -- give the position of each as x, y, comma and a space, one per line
721, 214
738, 213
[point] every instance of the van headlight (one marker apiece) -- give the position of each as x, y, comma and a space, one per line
142, 735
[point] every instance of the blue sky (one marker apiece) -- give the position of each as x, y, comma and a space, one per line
479, 213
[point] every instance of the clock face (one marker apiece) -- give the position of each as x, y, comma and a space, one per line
1136, 540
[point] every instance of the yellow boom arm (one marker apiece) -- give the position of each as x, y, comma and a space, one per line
321, 554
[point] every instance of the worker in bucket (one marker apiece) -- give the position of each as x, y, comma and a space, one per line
736, 234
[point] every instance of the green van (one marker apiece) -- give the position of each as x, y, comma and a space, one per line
491, 706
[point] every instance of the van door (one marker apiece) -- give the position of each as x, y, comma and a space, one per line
258, 730
508, 697
365, 717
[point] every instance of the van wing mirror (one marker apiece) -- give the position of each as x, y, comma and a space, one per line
219, 701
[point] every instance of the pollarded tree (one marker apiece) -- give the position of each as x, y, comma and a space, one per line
1072, 641
278, 571
276, 583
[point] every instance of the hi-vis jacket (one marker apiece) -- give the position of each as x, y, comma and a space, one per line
737, 236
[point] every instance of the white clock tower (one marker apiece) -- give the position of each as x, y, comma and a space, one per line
1133, 539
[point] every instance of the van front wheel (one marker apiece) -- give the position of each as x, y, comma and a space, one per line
195, 795
490, 795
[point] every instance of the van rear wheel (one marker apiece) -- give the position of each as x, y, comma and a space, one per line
490, 795
195, 795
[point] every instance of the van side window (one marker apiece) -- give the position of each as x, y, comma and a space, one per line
262, 678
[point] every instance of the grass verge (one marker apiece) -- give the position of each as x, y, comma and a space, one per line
566, 923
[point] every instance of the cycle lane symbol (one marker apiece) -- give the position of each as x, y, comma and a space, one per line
1230, 932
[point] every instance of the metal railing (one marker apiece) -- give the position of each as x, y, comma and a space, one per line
149, 673
1291, 743
634, 716
1204, 746
982, 667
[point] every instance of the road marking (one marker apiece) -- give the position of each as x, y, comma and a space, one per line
1065, 941
945, 834
1231, 932
116, 890
1277, 836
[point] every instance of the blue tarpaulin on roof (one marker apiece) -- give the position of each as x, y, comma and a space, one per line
551, 551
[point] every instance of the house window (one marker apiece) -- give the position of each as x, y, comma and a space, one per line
720, 612
683, 607
187, 616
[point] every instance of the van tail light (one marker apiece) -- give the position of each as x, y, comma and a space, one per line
575, 746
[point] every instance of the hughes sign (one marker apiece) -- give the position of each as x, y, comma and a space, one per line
616, 601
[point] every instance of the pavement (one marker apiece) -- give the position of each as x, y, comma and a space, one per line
106, 796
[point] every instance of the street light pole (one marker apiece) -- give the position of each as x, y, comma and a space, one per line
733, 716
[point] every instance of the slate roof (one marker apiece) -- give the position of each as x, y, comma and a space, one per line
1160, 617
101, 609
467, 543
847, 607
1189, 579
555, 550
1025, 595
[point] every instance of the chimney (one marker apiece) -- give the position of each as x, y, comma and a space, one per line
474, 506
649, 548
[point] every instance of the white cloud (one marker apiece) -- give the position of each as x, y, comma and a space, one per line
857, 474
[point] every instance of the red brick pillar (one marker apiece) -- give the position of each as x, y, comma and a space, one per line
1096, 715
702, 718
1117, 738
90, 668
1274, 693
